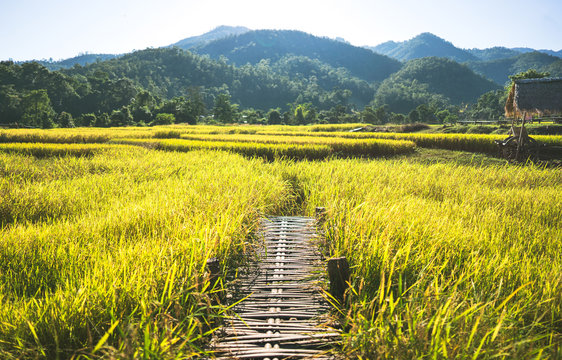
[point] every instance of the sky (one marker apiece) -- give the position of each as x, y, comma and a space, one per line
59, 29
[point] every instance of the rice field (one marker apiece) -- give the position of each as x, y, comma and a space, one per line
318, 134
105, 234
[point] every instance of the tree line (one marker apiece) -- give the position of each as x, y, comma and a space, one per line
165, 86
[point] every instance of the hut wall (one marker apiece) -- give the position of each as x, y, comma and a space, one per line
538, 97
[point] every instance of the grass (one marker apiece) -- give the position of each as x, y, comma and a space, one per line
459, 142
105, 255
338, 133
449, 261
103, 246
46, 150
270, 148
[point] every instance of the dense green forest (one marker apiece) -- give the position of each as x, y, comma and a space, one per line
499, 70
496, 63
135, 88
252, 47
431, 80
264, 77
423, 45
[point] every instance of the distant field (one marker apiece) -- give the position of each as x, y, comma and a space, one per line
105, 234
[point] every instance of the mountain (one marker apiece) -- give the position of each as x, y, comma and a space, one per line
552, 52
499, 70
81, 60
172, 72
427, 44
431, 80
255, 46
524, 50
494, 53
423, 45
315, 73
215, 34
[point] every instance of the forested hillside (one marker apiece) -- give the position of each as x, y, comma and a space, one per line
496, 63
215, 34
494, 53
254, 46
431, 80
423, 45
142, 84
262, 77
499, 70
82, 60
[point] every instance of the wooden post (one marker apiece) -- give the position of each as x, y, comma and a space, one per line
520, 137
213, 266
321, 215
338, 272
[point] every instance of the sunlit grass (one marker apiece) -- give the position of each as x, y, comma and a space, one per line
103, 246
270, 148
116, 244
448, 261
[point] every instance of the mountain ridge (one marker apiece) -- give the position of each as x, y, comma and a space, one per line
256, 45
427, 43
423, 45
217, 33
390, 48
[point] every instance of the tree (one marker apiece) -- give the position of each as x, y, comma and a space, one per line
37, 110
144, 98
311, 116
102, 120
88, 120
10, 99
490, 105
223, 110
195, 105
426, 115
299, 116
121, 117
65, 120
442, 115
274, 117
164, 119
142, 114
414, 116
529, 74
368, 115
381, 115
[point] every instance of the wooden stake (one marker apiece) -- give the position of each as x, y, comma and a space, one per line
520, 137
338, 271
321, 214
213, 266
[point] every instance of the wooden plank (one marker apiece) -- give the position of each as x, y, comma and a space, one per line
284, 312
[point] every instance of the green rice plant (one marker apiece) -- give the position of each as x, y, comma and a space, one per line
103, 256
448, 261
167, 134
266, 151
461, 142
42, 150
50, 136
117, 268
340, 146
335, 127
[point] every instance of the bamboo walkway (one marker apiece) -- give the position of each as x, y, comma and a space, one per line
283, 314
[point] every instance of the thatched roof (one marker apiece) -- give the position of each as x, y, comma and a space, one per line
541, 97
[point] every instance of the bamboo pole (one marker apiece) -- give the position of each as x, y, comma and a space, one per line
520, 137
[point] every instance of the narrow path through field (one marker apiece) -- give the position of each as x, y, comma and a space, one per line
284, 314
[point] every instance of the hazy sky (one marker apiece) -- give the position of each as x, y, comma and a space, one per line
41, 29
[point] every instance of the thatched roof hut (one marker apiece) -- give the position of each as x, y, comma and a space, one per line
536, 97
